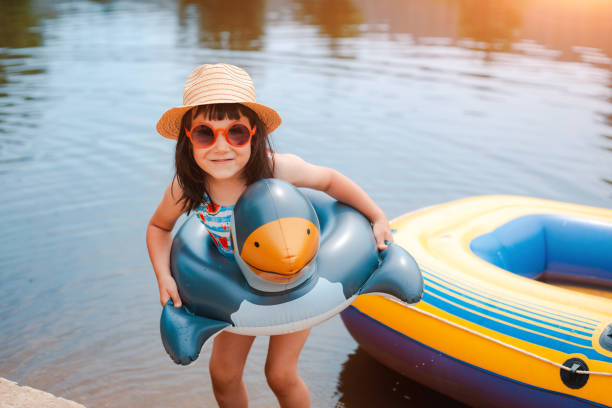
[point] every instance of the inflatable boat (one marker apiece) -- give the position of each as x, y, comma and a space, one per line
517, 305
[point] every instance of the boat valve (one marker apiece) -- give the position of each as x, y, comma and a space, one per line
571, 378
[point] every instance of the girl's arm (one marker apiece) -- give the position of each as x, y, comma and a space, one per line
159, 242
293, 169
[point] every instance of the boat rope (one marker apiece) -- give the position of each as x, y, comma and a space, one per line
561, 366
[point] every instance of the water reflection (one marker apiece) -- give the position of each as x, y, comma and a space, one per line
20, 31
493, 23
365, 383
18, 23
228, 24
335, 19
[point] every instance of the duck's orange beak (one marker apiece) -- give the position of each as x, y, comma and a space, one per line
279, 250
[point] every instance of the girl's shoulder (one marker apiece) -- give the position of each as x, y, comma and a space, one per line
295, 170
285, 161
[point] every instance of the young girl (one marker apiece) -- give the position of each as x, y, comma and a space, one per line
222, 147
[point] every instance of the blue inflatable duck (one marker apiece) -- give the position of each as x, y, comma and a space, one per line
300, 257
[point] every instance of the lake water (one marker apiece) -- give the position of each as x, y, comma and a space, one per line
418, 101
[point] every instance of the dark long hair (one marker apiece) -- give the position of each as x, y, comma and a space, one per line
192, 179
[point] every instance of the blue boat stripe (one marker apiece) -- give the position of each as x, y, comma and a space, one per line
553, 325
515, 332
491, 297
566, 315
509, 320
597, 404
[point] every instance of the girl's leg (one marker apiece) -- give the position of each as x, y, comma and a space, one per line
281, 369
227, 360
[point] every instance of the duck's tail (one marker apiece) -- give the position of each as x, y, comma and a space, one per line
183, 334
398, 276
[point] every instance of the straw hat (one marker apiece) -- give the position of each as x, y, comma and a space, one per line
218, 83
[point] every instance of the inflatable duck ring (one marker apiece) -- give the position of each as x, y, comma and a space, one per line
300, 258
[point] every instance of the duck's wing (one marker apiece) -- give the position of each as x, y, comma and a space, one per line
183, 334
398, 275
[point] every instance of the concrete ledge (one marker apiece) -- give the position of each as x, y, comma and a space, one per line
14, 396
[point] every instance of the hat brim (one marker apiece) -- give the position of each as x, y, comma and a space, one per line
169, 125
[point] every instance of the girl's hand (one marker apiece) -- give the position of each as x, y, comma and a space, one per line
168, 290
382, 232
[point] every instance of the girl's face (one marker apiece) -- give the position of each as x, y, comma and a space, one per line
222, 161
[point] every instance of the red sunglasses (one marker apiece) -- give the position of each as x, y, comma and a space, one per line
203, 135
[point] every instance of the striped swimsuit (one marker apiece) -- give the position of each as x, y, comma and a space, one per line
217, 219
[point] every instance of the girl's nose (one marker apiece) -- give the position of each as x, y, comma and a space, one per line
221, 142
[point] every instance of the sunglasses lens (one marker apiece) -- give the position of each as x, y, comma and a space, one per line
239, 134
202, 136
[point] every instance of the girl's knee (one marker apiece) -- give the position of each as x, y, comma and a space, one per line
227, 360
224, 378
280, 379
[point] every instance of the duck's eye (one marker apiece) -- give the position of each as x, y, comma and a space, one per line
308, 231
256, 244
